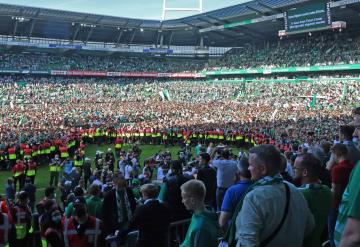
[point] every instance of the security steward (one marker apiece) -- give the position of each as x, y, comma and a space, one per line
81, 229
55, 168
5, 226
31, 170
21, 231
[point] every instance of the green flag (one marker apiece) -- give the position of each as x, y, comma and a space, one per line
166, 94
313, 101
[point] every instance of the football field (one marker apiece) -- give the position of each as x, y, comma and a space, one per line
43, 175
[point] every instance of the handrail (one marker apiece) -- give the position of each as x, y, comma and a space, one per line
177, 231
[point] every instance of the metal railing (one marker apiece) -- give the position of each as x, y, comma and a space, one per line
177, 232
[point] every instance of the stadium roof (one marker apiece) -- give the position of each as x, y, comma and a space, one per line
57, 24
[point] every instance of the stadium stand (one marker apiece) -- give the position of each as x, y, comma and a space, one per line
222, 78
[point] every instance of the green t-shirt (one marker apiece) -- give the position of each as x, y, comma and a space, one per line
203, 231
350, 203
319, 199
94, 206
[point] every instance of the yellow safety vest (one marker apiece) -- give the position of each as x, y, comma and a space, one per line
20, 227
30, 173
64, 155
78, 162
18, 174
12, 156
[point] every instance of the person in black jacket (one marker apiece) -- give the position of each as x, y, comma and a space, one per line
172, 192
152, 218
118, 207
207, 175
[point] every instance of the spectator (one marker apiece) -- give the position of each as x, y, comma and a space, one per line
10, 191
171, 192
87, 171
110, 159
69, 210
226, 170
340, 174
152, 219
283, 170
207, 175
307, 169
94, 202
30, 189
53, 233
118, 207
203, 229
346, 135
265, 216
234, 194
348, 221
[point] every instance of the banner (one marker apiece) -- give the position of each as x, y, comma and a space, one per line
187, 75
58, 72
139, 74
103, 73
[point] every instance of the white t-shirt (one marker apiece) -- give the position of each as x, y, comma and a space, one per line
160, 174
128, 170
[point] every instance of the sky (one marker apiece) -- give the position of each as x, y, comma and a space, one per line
143, 9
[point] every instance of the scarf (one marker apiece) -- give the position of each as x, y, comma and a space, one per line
123, 206
230, 233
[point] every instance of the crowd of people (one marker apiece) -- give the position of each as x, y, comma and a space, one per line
48, 62
320, 49
34, 110
304, 196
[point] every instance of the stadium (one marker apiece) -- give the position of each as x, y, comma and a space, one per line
118, 131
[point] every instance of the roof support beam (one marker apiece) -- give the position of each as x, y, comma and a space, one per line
157, 40
161, 40
32, 25
202, 19
191, 25
132, 37
75, 33
268, 7
255, 10
217, 19
171, 38
89, 34
119, 37
15, 29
